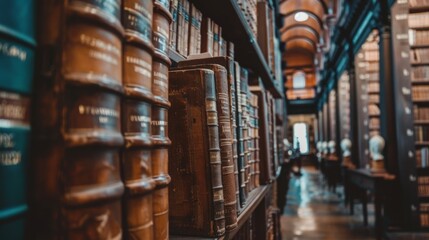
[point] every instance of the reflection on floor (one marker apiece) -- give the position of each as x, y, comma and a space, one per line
313, 213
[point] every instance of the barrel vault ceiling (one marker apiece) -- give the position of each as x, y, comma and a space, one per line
305, 34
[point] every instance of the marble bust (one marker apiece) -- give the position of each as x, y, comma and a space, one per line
376, 147
346, 145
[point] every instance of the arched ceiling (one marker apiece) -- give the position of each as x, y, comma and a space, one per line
305, 40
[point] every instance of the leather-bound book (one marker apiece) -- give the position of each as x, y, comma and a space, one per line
138, 48
240, 140
17, 41
174, 9
159, 123
76, 188
161, 142
255, 134
225, 137
196, 194
137, 170
228, 64
244, 79
207, 35
136, 120
265, 164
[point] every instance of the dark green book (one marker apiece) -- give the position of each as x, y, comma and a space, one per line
17, 52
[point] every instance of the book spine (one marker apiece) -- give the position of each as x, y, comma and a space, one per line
215, 160
174, 26
245, 128
205, 34
216, 38
79, 86
225, 137
233, 107
186, 26
161, 143
17, 55
138, 48
240, 142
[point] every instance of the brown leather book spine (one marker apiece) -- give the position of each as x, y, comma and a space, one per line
240, 140
228, 63
263, 135
207, 35
244, 76
76, 194
186, 25
255, 125
137, 170
216, 38
225, 140
174, 9
195, 164
138, 49
161, 143
233, 107
159, 123
180, 29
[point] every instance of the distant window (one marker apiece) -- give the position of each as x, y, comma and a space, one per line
300, 137
298, 79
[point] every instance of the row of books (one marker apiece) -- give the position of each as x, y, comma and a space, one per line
423, 180
100, 108
422, 157
418, 3
373, 87
344, 108
420, 55
420, 113
332, 114
421, 133
424, 219
374, 98
420, 93
235, 155
192, 33
373, 109
374, 123
418, 20
418, 37
372, 55
248, 8
423, 190
420, 73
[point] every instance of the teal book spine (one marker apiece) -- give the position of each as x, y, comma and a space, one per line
17, 54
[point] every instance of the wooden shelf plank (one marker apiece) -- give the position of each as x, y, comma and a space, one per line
253, 201
419, 46
228, 15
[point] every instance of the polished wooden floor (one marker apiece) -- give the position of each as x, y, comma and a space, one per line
313, 213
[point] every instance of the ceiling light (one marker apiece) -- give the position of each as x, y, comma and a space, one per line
301, 16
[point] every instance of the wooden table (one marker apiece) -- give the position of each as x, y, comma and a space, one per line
361, 181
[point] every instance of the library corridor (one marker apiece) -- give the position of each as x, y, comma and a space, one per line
314, 213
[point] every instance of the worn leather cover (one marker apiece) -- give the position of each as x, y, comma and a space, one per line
225, 134
76, 186
265, 164
240, 137
228, 64
160, 158
244, 87
17, 44
138, 48
196, 194
137, 170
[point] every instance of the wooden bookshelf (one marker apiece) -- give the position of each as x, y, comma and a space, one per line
254, 200
227, 14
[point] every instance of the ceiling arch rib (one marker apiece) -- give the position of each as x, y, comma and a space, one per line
303, 32
300, 43
289, 22
317, 7
305, 39
299, 29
